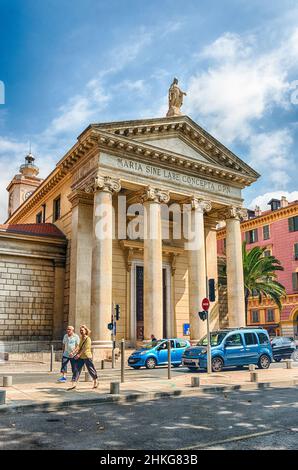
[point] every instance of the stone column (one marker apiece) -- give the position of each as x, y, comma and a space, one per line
197, 266
235, 283
80, 259
58, 312
103, 188
153, 301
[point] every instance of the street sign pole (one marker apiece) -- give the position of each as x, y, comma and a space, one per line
206, 306
209, 367
113, 337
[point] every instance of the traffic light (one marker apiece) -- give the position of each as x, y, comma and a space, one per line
211, 285
203, 315
117, 311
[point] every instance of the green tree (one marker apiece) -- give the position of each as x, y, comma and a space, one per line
260, 276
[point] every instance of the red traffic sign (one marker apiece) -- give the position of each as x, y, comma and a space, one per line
205, 304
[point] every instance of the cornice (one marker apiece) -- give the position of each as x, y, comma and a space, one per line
184, 125
150, 153
273, 216
287, 300
58, 241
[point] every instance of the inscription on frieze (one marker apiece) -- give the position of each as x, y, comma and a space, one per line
164, 174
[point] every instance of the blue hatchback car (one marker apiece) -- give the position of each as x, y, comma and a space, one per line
231, 347
156, 354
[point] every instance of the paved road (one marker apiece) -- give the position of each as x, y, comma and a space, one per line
237, 420
43, 376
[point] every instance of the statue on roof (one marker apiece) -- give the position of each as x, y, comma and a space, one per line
175, 99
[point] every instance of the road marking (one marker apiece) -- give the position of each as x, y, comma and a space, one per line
232, 439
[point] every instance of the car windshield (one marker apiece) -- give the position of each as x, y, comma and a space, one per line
151, 345
216, 339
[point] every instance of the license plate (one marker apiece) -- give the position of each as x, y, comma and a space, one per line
191, 362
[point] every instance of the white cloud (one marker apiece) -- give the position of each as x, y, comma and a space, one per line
228, 47
270, 153
241, 86
262, 201
79, 110
238, 87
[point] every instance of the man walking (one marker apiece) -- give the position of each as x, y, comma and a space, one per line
70, 343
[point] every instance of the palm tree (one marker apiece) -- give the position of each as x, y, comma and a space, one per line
260, 278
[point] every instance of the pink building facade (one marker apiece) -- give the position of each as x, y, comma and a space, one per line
277, 231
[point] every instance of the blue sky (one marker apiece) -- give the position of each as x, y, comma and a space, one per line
67, 63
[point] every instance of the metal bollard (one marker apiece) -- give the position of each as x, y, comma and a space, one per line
254, 377
88, 377
122, 359
115, 388
289, 364
252, 367
2, 397
7, 381
102, 364
195, 381
52, 358
169, 359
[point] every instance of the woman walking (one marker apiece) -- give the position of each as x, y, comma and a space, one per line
83, 356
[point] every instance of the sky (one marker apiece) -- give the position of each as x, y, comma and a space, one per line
67, 63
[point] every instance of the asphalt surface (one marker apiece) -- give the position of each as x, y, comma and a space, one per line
237, 420
143, 373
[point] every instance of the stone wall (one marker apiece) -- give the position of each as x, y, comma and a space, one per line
26, 300
31, 287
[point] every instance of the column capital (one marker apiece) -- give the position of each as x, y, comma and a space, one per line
155, 195
201, 205
103, 183
235, 212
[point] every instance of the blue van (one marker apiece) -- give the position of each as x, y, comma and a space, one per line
231, 347
156, 354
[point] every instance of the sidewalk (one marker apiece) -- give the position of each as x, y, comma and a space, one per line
51, 395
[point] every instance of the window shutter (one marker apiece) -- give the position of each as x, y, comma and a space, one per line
295, 281
291, 224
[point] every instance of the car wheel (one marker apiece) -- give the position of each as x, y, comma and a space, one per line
264, 362
150, 363
193, 368
278, 359
295, 356
217, 364
136, 367
176, 365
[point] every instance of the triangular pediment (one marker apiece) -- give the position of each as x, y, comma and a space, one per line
177, 145
182, 136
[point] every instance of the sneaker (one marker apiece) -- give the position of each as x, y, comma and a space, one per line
62, 379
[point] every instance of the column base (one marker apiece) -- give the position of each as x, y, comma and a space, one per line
101, 350
102, 344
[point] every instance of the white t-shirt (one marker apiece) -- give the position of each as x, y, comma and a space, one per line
70, 343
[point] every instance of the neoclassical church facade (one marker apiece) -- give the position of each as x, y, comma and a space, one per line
107, 226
